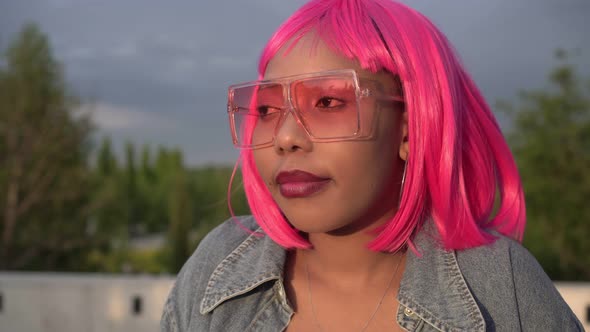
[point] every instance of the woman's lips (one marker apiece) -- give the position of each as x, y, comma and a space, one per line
297, 183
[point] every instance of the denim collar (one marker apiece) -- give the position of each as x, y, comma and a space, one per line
432, 287
255, 261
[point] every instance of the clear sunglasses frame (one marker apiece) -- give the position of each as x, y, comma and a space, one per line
289, 107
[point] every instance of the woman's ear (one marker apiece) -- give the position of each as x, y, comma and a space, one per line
404, 146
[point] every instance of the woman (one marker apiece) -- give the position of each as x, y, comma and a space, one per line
383, 194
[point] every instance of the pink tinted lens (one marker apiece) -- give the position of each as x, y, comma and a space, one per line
256, 111
327, 106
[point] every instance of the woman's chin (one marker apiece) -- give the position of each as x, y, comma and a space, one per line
319, 224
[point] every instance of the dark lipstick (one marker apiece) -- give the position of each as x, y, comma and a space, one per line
298, 184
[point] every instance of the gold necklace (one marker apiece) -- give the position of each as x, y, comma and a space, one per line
315, 318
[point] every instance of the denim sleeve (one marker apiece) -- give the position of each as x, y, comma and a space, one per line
168, 323
181, 303
540, 306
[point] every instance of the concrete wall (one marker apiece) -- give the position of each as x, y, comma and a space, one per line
577, 296
105, 303
78, 302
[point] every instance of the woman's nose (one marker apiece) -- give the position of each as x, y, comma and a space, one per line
291, 135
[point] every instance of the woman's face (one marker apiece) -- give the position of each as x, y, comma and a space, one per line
337, 187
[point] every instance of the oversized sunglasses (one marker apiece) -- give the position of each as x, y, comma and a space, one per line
327, 105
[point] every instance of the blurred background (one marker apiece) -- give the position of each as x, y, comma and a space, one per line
115, 152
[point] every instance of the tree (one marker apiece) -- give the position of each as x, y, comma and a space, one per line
43, 153
107, 222
181, 218
60, 212
106, 163
551, 144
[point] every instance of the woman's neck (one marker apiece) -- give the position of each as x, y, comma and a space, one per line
346, 256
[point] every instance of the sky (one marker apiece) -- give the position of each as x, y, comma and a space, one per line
155, 72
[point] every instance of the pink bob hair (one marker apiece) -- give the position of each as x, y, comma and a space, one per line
459, 163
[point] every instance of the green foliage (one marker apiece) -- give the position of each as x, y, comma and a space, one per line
60, 212
181, 217
43, 152
178, 203
127, 261
551, 143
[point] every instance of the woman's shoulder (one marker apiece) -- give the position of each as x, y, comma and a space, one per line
502, 251
504, 256
504, 275
184, 300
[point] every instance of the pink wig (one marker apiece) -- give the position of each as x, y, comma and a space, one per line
458, 163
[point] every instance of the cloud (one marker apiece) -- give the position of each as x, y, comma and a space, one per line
159, 72
119, 118
227, 61
202, 140
78, 53
129, 50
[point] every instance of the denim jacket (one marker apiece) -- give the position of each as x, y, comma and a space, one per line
234, 282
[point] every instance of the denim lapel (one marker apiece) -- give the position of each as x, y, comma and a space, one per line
255, 261
433, 287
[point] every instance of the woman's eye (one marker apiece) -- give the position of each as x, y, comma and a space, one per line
329, 102
262, 110
265, 110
